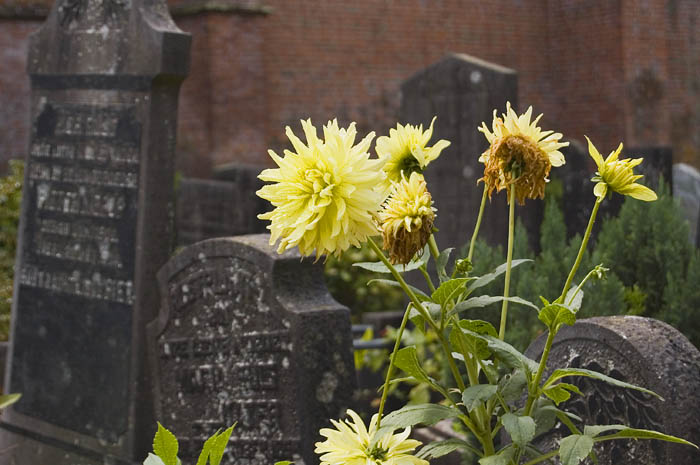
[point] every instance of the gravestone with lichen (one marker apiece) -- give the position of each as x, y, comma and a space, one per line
94, 230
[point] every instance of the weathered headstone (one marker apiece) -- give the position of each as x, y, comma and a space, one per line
641, 351
95, 228
246, 335
208, 209
686, 189
462, 91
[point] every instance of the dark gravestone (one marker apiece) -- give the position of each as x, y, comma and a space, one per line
657, 164
208, 209
641, 351
95, 228
686, 190
247, 335
463, 91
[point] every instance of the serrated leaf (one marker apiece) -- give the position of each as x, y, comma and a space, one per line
476, 395
218, 446
441, 264
410, 415
554, 315
420, 294
407, 360
8, 399
506, 352
440, 448
165, 445
448, 290
503, 457
520, 428
574, 448
544, 414
564, 372
575, 303
634, 433
487, 278
204, 455
469, 344
484, 300
153, 459
512, 386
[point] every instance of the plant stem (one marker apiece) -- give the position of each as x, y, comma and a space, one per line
432, 245
582, 249
389, 370
533, 391
478, 224
509, 263
542, 458
431, 286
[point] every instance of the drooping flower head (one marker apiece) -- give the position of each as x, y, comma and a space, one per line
618, 175
520, 154
405, 150
406, 218
351, 443
326, 194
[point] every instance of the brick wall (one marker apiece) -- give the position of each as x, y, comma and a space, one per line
611, 69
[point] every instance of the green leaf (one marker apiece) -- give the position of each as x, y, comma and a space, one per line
560, 392
506, 352
284, 462
634, 433
448, 290
564, 372
425, 414
218, 446
484, 300
520, 428
389, 282
204, 455
380, 267
8, 399
503, 457
554, 315
513, 385
544, 414
574, 304
153, 459
441, 263
476, 395
165, 445
469, 344
595, 430
487, 278
407, 360
440, 448
574, 448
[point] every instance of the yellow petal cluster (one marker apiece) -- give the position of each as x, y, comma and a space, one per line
406, 151
351, 443
618, 175
406, 218
520, 154
326, 194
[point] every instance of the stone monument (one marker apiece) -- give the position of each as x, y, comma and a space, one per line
641, 351
246, 335
686, 189
95, 228
462, 91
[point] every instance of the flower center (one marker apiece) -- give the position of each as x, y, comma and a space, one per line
378, 454
321, 183
409, 164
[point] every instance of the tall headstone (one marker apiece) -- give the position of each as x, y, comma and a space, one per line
686, 189
641, 351
95, 228
246, 335
462, 91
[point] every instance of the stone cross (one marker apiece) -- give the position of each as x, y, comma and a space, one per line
94, 230
249, 336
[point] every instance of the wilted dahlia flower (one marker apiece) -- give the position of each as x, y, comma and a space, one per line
618, 175
405, 150
520, 154
350, 443
406, 219
326, 194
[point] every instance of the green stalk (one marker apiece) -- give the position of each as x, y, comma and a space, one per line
432, 245
533, 394
478, 223
509, 261
542, 458
389, 370
431, 286
584, 243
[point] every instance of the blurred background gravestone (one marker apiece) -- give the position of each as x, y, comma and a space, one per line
246, 335
95, 228
637, 350
462, 91
686, 189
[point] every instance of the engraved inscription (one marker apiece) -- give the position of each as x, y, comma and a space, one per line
94, 286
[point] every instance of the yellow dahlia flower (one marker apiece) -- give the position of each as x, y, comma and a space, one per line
350, 443
618, 175
520, 154
405, 151
326, 194
406, 218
